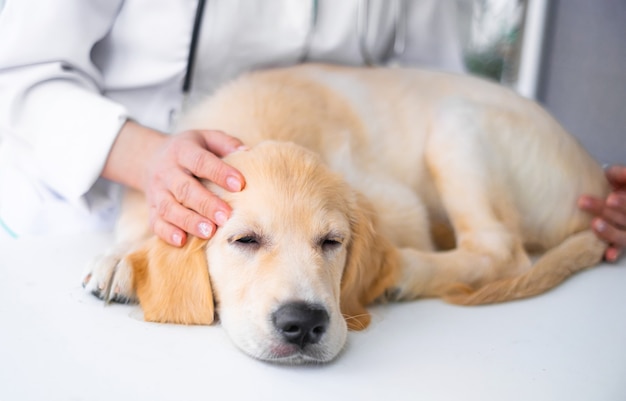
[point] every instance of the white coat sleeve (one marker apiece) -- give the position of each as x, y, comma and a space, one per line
55, 121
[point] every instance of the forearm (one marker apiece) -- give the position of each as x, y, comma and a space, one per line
132, 150
51, 101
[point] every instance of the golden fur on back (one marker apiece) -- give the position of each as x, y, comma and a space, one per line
366, 184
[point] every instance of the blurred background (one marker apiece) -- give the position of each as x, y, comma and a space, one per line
570, 55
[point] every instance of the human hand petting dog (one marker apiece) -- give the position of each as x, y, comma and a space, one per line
178, 201
167, 169
609, 222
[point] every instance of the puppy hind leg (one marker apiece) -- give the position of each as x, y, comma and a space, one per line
436, 274
472, 185
577, 252
467, 176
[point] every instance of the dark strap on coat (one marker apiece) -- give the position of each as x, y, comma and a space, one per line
191, 59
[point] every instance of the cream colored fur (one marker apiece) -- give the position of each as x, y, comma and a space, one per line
354, 178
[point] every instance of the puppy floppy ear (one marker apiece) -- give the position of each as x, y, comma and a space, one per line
173, 284
371, 266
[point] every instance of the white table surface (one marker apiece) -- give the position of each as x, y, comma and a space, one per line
59, 343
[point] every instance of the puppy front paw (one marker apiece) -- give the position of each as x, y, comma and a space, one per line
110, 278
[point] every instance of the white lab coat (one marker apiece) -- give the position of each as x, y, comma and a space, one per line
73, 71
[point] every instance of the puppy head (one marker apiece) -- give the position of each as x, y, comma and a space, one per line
295, 264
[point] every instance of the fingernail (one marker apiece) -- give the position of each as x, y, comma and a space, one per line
617, 255
599, 225
233, 184
611, 255
206, 229
177, 239
612, 200
220, 218
243, 148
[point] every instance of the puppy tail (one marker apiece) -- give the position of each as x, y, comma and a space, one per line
577, 252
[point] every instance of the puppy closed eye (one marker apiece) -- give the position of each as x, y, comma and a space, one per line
330, 243
247, 241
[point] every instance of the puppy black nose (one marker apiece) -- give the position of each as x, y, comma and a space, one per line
301, 323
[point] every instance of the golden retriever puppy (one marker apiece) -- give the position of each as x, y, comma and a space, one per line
363, 185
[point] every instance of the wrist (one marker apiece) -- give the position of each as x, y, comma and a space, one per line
130, 154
